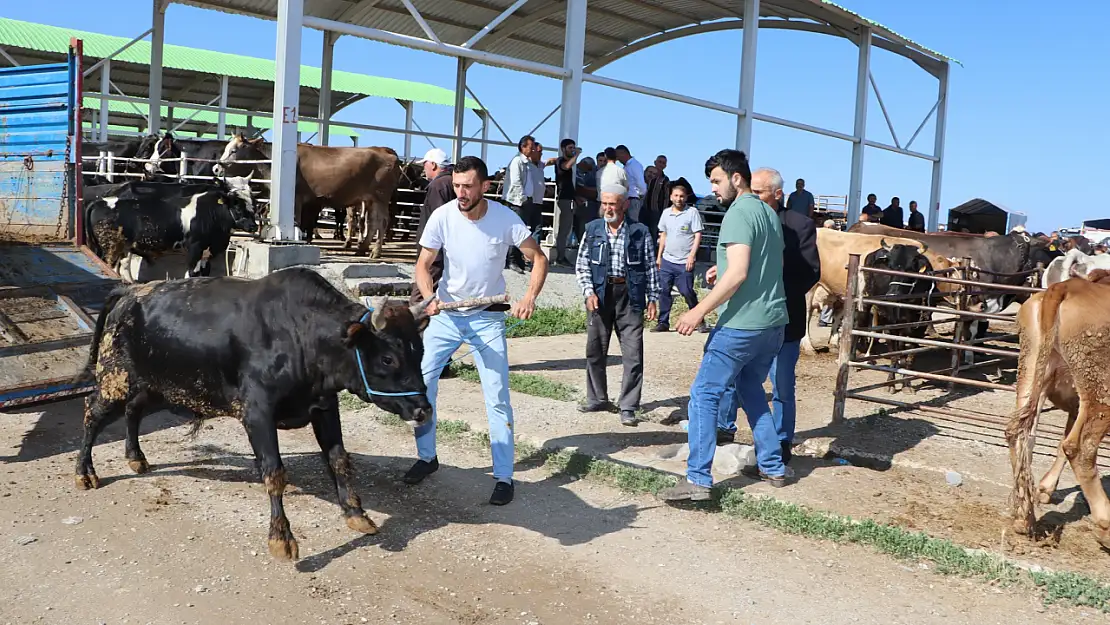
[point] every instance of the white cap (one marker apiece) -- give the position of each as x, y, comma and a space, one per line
437, 156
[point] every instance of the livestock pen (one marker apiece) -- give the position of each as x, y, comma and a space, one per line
953, 378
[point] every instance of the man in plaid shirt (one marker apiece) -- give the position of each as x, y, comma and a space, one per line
618, 277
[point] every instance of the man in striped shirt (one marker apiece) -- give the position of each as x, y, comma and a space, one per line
619, 280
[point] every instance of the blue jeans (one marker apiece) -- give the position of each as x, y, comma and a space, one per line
784, 407
446, 333
734, 365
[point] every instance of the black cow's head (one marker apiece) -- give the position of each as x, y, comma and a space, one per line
899, 257
162, 153
236, 193
389, 350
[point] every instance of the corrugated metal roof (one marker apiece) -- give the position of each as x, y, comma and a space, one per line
535, 31
233, 120
53, 39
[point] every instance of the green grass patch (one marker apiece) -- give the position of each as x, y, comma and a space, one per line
527, 383
946, 557
550, 322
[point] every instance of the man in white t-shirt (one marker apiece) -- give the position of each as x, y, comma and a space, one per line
475, 234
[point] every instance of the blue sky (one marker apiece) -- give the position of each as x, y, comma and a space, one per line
1021, 113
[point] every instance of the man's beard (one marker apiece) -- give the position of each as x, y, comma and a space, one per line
466, 208
611, 218
727, 194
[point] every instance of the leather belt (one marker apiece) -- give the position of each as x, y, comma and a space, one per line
615, 280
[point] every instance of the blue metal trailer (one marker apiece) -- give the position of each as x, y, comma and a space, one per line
51, 285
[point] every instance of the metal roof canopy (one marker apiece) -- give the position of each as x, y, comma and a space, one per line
564, 39
193, 76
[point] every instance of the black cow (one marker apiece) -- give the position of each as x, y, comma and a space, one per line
908, 259
273, 353
150, 219
121, 148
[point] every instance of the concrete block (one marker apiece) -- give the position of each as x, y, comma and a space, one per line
377, 270
255, 259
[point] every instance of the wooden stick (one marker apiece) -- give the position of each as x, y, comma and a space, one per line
477, 301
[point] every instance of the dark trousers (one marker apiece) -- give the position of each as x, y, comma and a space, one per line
676, 275
615, 312
515, 256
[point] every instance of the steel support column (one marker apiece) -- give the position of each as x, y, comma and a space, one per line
485, 134
938, 148
408, 128
863, 73
157, 38
460, 110
221, 121
747, 77
325, 106
105, 90
290, 16
574, 47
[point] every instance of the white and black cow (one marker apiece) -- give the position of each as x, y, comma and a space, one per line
149, 219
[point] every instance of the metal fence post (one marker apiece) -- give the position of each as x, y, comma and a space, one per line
847, 339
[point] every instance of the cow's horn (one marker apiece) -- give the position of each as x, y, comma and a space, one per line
882, 242
377, 320
418, 309
924, 247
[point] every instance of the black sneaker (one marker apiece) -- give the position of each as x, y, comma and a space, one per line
659, 327
502, 494
421, 470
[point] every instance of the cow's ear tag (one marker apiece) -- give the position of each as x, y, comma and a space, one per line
219, 200
1052, 248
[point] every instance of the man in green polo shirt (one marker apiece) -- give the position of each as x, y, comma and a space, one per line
751, 304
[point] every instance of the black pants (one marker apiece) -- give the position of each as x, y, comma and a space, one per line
515, 256
615, 313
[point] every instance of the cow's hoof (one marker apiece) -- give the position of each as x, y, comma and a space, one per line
87, 482
284, 548
1102, 535
362, 524
1022, 526
1044, 496
139, 466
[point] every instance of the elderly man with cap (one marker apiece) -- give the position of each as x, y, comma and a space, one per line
617, 273
437, 169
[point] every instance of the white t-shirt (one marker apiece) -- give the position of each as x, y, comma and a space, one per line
474, 250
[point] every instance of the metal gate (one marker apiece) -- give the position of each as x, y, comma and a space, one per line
50, 288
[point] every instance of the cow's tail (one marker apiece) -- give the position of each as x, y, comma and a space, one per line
88, 372
1038, 330
90, 237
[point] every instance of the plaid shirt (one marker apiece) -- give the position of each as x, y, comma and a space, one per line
617, 263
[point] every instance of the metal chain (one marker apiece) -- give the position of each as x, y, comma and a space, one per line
67, 173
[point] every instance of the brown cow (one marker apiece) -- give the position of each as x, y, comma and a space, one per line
1063, 331
326, 176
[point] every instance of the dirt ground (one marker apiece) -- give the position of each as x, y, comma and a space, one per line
186, 543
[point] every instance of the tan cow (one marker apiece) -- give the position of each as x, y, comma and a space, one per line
1064, 330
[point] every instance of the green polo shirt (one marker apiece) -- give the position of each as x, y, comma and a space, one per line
760, 302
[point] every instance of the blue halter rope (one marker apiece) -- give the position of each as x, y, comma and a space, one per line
366, 383
362, 372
